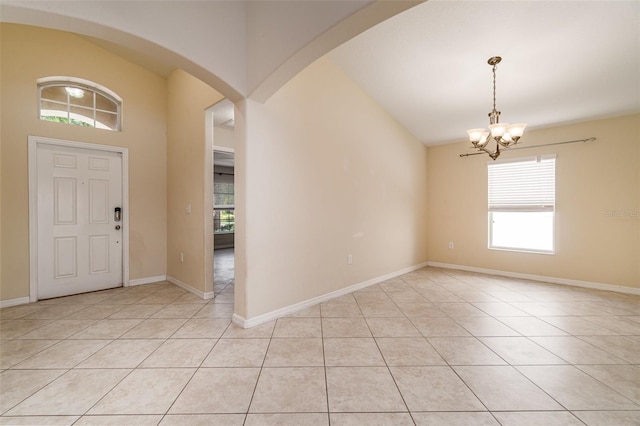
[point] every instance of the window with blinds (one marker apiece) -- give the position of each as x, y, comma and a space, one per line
224, 221
522, 204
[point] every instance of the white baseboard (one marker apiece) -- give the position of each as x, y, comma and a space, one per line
288, 310
14, 302
199, 293
542, 278
148, 280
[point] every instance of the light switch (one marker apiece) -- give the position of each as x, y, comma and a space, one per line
188, 208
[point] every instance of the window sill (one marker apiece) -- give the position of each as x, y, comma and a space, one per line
521, 250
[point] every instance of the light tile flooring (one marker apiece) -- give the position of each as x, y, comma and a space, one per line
432, 347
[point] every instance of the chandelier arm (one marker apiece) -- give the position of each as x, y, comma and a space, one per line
591, 139
496, 154
493, 154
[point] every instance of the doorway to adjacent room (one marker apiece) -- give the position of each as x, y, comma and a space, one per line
223, 221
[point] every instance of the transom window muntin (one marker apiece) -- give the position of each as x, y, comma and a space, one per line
522, 204
79, 102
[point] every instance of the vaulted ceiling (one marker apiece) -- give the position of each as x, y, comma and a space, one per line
563, 61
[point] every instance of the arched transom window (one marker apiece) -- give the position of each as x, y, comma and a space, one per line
79, 102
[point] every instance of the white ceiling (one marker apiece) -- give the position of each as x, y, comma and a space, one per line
157, 66
562, 61
223, 114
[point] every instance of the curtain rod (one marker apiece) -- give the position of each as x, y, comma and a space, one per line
591, 139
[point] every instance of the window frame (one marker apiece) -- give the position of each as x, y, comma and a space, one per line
86, 85
219, 211
521, 205
224, 179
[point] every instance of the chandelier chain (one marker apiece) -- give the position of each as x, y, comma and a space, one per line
494, 87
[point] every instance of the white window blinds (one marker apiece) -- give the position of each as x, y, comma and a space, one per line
526, 184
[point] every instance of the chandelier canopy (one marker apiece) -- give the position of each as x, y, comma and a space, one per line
504, 134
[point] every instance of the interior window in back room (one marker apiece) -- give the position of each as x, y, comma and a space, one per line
224, 205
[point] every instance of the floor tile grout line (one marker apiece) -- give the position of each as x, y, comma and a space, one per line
195, 371
324, 368
255, 387
131, 370
603, 349
540, 388
33, 393
12, 367
388, 369
637, 403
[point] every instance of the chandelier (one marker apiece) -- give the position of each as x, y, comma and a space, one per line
504, 134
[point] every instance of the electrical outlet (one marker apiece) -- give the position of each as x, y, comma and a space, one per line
451, 245
349, 259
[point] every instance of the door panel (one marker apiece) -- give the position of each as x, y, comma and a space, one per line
62, 160
64, 198
99, 254
64, 257
98, 201
99, 164
79, 249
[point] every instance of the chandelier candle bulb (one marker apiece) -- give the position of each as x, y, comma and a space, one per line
475, 135
498, 130
516, 131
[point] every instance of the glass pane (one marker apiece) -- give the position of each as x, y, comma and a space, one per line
48, 107
106, 120
80, 96
81, 116
105, 104
522, 230
53, 111
54, 93
223, 221
223, 194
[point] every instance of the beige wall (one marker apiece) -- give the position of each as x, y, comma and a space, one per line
188, 156
323, 172
592, 179
29, 53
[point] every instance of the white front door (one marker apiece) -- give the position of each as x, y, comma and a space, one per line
79, 235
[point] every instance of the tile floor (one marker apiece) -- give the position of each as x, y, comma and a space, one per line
432, 347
